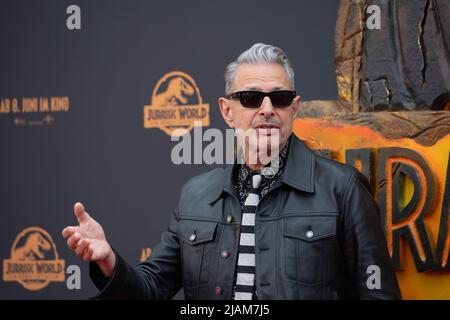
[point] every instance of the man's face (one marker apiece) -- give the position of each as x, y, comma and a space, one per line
266, 120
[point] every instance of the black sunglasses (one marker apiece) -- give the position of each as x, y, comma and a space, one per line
253, 99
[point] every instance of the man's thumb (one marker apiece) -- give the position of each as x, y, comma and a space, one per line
80, 213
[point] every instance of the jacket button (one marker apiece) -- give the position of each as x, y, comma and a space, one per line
218, 291
224, 254
192, 237
309, 234
229, 218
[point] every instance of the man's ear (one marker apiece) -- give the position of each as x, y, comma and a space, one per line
295, 106
227, 113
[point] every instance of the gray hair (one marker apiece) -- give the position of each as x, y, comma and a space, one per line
259, 53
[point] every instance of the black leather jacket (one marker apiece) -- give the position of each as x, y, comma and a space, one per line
199, 250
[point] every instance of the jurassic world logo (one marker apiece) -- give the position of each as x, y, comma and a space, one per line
34, 261
176, 103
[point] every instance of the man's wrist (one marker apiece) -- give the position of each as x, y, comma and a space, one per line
108, 264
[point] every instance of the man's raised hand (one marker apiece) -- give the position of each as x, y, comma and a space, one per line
88, 241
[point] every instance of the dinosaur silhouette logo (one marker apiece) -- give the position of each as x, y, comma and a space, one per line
34, 260
176, 103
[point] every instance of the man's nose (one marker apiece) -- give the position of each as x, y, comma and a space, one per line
266, 109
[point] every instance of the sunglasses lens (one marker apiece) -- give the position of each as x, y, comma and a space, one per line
251, 99
281, 99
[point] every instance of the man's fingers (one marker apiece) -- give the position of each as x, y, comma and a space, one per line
80, 213
81, 246
87, 256
68, 231
78, 206
73, 240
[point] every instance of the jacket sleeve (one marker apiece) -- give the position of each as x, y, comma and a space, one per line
157, 278
365, 246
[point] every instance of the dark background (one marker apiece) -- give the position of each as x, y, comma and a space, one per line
98, 152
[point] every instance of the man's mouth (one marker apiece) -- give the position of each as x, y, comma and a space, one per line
267, 128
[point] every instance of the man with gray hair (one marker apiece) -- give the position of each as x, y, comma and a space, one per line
307, 229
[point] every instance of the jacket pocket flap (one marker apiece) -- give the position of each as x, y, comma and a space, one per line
195, 232
310, 228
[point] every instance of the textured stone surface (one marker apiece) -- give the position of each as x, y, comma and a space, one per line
348, 51
403, 66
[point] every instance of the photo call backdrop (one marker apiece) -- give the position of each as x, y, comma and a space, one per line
80, 81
